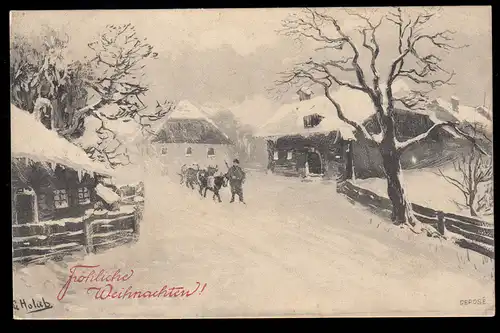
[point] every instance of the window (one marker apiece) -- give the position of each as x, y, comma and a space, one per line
275, 156
61, 198
312, 120
289, 155
83, 196
189, 151
164, 150
211, 152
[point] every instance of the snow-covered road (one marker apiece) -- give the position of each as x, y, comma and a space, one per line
296, 249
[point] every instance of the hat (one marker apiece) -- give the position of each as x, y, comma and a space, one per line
236, 161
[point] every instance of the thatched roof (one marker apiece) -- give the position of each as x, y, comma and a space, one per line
188, 124
190, 131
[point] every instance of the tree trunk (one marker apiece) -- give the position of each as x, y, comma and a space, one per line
401, 207
349, 160
271, 146
472, 198
472, 211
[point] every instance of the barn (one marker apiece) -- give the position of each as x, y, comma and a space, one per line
52, 179
187, 136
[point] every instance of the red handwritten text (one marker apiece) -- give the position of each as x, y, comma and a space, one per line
83, 274
92, 276
110, 292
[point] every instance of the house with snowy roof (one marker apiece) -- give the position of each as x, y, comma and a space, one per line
52, 179
187, 136
308, 138
453, 111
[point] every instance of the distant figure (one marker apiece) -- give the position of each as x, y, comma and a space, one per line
236, 177
190, 176
211, 171
209, 180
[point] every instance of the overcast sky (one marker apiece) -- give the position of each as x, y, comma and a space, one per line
229, 57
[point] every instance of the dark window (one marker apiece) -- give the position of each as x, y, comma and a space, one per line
61, 198
211, 152
164, 150
83, 196
189, 151
312, 120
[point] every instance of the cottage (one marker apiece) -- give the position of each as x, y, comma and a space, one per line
51, 177
443, 146
187, 136
308, 139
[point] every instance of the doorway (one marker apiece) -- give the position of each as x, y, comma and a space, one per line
25, 208
314, 163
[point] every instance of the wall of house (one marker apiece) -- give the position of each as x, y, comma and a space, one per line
175, 155
438, 148
44, 181
429, 153
292, 154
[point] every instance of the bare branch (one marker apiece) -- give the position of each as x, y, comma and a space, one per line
454, 182
401, 146
324, 68
374, 48
359, 71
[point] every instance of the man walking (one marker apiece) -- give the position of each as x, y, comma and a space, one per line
236, 177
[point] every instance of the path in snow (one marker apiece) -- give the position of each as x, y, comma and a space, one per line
295, 249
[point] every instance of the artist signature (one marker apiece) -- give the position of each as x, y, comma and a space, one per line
31, 305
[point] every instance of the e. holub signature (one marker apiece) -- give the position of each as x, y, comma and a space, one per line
31, 305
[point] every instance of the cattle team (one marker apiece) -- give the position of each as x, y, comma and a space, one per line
211, 179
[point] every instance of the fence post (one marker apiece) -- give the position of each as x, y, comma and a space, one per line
441, 225
87, 232
137, 220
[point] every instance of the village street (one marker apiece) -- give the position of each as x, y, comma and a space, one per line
295, 249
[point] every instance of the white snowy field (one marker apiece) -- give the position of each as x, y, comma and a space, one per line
295, 249
427, 188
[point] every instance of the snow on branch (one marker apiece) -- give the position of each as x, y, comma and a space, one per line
401, 146
116, 73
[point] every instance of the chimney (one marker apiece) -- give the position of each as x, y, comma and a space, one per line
484, 112
455, 103
304, 94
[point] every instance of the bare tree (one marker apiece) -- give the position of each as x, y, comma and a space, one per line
113, 74
343, 68
474, 179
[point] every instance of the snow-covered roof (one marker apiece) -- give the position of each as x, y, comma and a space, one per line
106, 194
445, 112
31, 139
188, 123
288, 119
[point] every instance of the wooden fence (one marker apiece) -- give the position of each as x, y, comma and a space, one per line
477, 235
37, 243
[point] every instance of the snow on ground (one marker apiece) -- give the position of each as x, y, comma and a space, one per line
295, 249
426, 188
